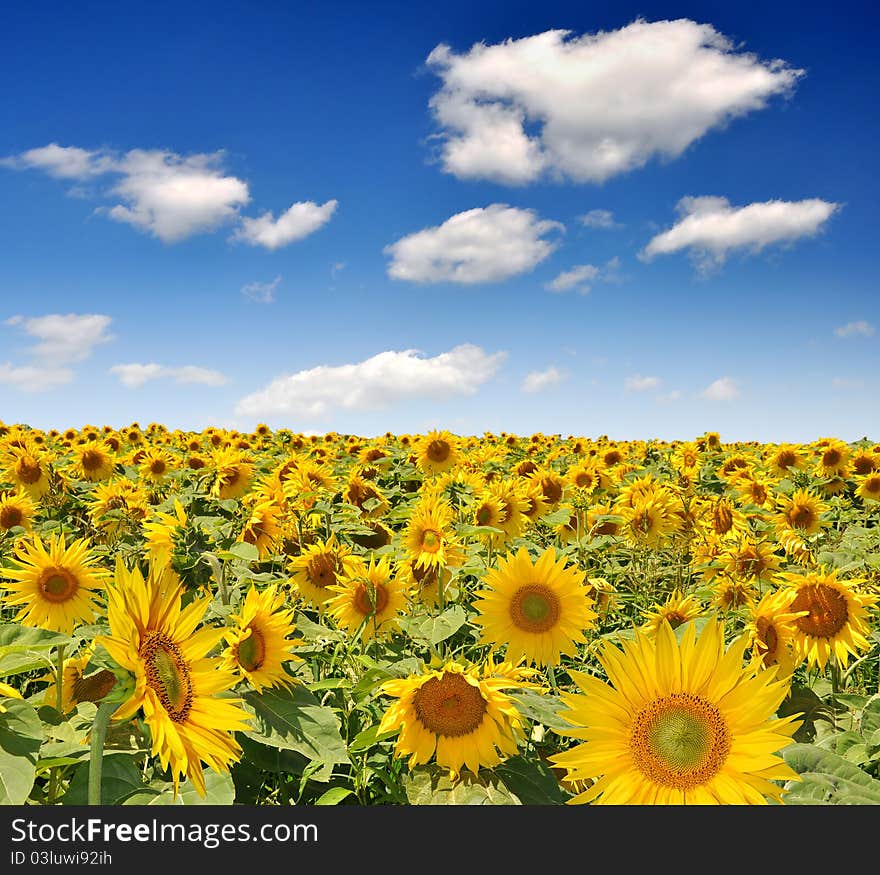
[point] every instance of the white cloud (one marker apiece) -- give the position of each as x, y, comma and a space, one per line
374, 383
33, 378
638, 383
64, 338
582, 276
61, 162
592, 106
602, 219
723, 389
483, 245
300, 220
540, 381
262, 293
174, 197
711, 228
865, 329
136, 375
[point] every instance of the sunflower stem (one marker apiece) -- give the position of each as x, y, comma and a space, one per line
59, 677
221, 583
96, 750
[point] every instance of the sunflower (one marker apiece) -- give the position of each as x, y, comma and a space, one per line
262, 528
583, 476
175, 681
511, 495
488, 511
801, 511
156, 465
17, 510
833, 459
55, 584
730, 594
359, 491
649, 523
260, 643
540, 609
75, 686
318, 568
836, 622
428, 539
115, 503
28, 470
536, 504
457, 715
160, 532
94, 462
574, 528
553, 485
678, 723
232, 473
864, 461
868, 487
786, 459
367, 597
436, 452
770, 631
423, 584
676, 610
601, 520
754, 561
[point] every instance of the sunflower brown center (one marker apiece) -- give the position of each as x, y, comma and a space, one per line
802, 517
230, 478
831, 458
583, 480
769, 638
872, 485
57, 585
535, 608
827, 608
786, 459
92, 460
722, 519
251, 651
29, 472
438, 451
322, 570
10, 516
679, 741
365, 605
675, 618
168, 675
449, 705
552, 490
157, 467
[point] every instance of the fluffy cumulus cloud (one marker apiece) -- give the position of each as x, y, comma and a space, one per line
374, 383
710, 228
722, 389
299, 221
57, 341
638, 383
174, 197
483, 245
593, 106
540, 381
64, 338
860, 328
171, 196
136, 375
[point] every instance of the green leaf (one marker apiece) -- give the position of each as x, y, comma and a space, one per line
532, 781
20, 646
427, 786
243, 550
21, 734
540, 707
435, 629
334, 796
827, 779
368, 737
869, 724
294, 720
120, 776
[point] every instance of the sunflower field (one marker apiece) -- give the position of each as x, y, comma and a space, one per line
274, 618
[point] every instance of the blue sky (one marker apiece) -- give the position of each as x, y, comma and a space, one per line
392, 216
